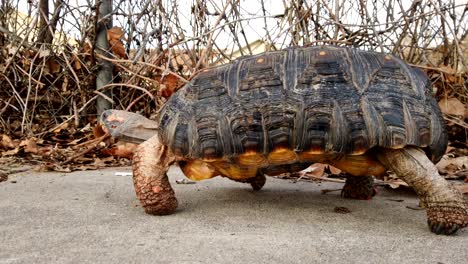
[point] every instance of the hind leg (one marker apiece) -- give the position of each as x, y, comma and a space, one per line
358, 187
446, 209
151, 161
256, 182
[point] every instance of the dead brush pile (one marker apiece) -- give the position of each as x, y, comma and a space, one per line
47, 104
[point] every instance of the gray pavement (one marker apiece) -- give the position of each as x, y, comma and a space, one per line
94, 217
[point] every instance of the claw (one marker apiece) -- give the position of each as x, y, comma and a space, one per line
447, 220
442, 228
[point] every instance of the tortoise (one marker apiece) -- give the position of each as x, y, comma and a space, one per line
363, 112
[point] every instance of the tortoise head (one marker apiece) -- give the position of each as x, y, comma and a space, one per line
128, 126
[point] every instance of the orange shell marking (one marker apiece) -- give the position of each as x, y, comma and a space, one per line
235, 171
251, 158
282, 156
198, 170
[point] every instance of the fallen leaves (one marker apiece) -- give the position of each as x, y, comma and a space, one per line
168, 85
452, 106
60, 151
30, 145
316, 169
316, 172
115, 36
320, 169
453, 167
52, 66
121, 149
450, 84
7, 142
393, 182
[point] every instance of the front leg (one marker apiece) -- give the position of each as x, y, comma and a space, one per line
151, 161
446, 209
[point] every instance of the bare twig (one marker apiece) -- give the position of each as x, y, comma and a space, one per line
93, 144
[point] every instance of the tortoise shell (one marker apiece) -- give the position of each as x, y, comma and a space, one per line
317, 100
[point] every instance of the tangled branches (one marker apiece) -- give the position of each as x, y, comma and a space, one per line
49, 58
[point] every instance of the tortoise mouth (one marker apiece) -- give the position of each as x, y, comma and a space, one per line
247, 165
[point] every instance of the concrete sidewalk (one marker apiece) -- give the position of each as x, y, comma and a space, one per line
94, 217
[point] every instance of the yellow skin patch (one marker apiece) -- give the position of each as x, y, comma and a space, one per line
245, 166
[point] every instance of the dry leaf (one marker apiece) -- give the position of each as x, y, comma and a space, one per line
99, 163
123, 150
61, 127
10, 152
52, 66
118, 48
98, 131
169, 84
44, 53
76, 62
115, 33
333, 170
86, 51
395, 183
316, 169
29, 54
341, 210
7, 142
452, 106
60, 168
451, 166
115, 36
449, 148
463, 188
30, 145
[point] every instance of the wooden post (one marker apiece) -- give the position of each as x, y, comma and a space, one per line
104, 74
